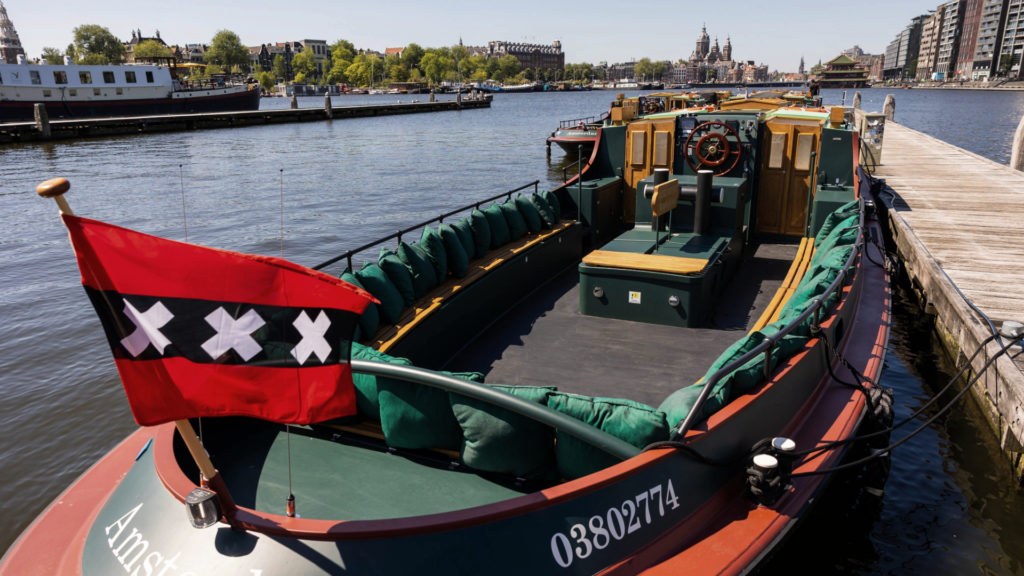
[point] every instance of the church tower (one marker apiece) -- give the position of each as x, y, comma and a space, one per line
801, 70
727, 50
10, 45
703, 44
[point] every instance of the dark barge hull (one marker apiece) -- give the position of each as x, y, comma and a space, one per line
25, 111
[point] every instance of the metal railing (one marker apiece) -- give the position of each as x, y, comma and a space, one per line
576, 122
397, 236
769, 342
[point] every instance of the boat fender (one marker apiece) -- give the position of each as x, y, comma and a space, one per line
880, 415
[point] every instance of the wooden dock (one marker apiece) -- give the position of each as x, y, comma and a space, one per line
63, 129
956, 219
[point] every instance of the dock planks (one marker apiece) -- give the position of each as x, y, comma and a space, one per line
967, 211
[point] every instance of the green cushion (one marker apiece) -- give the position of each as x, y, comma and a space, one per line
370, 318
516, 222
415, 259
498, 225
530, 214
631, 421
547, 217
838, 237
399, 275
481, 233
417, 417
465, 233
553, 203
433, 245
498, 440
458, 260
376, 282
835, 217
367, 386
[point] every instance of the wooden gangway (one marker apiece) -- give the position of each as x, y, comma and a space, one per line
956, 219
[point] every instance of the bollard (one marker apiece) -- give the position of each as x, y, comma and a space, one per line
856, 101
702, 205
328, 107
432, 97
295, 102
1017, 154
42, 120
889, 109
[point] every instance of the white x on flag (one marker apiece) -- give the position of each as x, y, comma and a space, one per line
233, 333
313, 341
147, 328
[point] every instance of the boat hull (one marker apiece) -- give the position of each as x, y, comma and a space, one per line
571, 140
187, 103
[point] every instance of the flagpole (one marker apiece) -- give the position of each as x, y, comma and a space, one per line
55, 189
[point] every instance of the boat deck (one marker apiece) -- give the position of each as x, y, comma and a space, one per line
545, 341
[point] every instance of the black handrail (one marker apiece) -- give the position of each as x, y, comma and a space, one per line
562, 124
398, 235
769, 342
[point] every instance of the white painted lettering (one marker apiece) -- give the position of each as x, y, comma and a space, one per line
169, 563
121, 524
148, 564
138, 541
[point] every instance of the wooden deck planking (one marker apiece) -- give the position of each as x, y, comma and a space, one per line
966, 209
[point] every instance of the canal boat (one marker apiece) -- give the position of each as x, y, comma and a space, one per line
576, 135
653, 368
81, 91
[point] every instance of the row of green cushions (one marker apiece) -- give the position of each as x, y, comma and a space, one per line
493, 439
400, 277
835, 243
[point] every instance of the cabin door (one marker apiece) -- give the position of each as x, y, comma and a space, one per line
649, 145
786, 176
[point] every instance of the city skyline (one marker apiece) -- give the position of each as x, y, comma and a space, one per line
594, 36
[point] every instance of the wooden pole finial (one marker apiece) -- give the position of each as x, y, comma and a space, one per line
55, 188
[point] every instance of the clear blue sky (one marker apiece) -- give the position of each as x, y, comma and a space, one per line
590, 31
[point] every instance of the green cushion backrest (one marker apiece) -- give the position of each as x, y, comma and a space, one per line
399, 275
840, 236
464, 231
422, 271
835, 217
497, 440
498, 225
432, 243
367, 386
556, 206
547, 216
515, 221
417, 417
481, 233
458, 260
530, 214
376, 282
631, 421
369, 320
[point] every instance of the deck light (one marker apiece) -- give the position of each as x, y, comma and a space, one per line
673, 301
598, 292
203, 510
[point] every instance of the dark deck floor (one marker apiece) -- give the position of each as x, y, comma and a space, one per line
544, 340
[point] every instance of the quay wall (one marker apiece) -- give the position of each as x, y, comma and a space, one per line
933, 233
64, 129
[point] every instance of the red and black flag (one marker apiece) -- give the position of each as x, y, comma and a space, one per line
198, 331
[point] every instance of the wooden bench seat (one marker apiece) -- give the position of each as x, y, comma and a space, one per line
647, 262
388, 335
789, 285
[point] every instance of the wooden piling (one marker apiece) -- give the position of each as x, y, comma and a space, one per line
856, 101
42, 121
328, 107
295, 102
1017, 152
890, 108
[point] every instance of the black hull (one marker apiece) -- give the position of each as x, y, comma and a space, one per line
24, 111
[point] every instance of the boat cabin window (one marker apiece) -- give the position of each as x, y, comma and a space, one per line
120, 90
60, 77
34, 75
149, 77
95, 91
108, 77
85, 77
72, 92
46, 93
1, 78
129, 77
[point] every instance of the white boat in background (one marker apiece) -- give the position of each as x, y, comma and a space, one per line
79, 90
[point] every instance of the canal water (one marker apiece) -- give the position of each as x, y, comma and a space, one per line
949, 506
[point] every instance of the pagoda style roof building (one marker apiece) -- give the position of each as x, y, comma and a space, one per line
10, 45
843, 72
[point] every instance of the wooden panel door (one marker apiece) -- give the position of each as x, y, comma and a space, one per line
638, 165
771, 196
805, 141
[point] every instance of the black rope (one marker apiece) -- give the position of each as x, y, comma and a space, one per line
942, 411
693, 453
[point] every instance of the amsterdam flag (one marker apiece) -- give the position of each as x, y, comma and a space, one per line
197, 331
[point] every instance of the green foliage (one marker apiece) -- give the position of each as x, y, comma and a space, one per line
280, 68
509, 65
266, 80
304, 65
343, 50
226, 50
436, 64
152, 49
412, 55
363, 69
649, 70
398, 73
94, 44
52, 55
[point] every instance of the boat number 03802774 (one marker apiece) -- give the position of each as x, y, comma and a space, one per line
601, 529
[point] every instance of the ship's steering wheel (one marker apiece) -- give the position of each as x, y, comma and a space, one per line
718, 150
